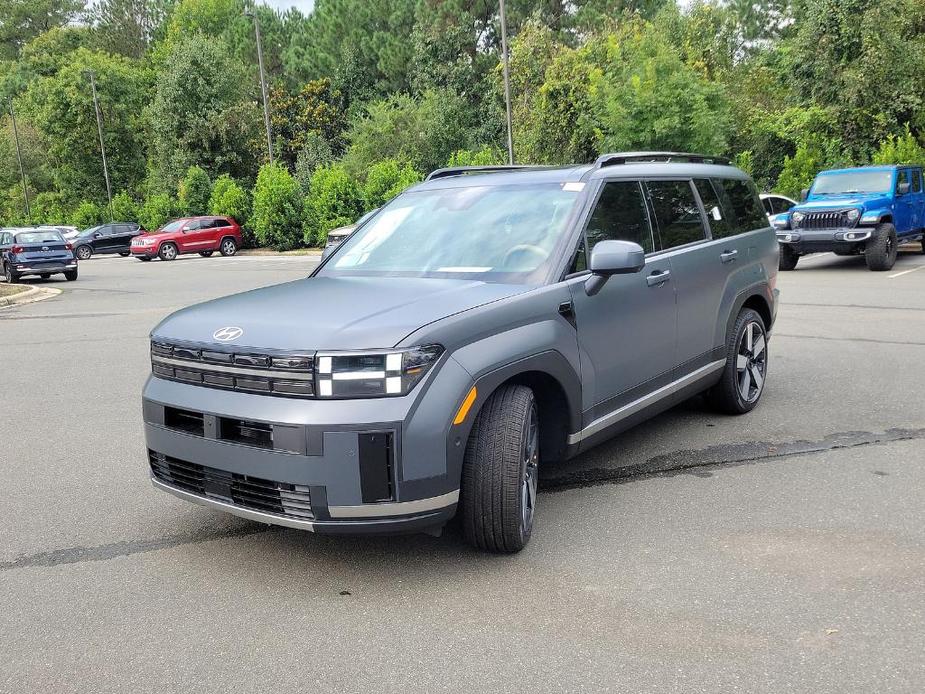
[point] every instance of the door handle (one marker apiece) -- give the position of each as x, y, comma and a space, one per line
728, 256
658, 278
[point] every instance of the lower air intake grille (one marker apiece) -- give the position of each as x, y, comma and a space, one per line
266, 496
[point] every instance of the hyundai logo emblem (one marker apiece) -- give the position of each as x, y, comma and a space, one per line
227, 334
44, 248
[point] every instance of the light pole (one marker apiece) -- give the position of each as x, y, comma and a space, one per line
507, 87
99, 128
22, 169
263, 82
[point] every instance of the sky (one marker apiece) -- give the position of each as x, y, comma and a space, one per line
304, 5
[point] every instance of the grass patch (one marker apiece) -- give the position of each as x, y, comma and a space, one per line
12, 289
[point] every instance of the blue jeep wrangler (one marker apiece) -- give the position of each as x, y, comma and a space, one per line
867, 210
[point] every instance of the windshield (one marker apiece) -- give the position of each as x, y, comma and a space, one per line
492, 233
853, 182
39, 237
175, 225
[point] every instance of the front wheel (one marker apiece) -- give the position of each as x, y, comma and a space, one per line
500, 472
880, 252
788, 259
70, 275
83, 252
167, 251
229, 247
746, 369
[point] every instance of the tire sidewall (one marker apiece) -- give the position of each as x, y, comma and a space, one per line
233, 246
163, 253
83, 252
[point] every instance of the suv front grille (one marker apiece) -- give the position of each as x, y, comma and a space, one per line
287, 375
829, 219
266, 496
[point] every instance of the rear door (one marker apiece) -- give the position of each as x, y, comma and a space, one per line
681, 237
122, 238
626, 332
219, 229
105, 242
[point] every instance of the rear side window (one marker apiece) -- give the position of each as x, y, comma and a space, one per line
721, 223
676, 213
620, 215
744, 205
916, 181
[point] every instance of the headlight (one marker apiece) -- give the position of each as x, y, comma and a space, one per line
796, 218
852, 215
373, 374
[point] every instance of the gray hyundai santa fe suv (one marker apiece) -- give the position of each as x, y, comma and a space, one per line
483, 323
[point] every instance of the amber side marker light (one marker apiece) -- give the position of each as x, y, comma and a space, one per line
464, 408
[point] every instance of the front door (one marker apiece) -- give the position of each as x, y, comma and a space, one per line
626, 332
905, 211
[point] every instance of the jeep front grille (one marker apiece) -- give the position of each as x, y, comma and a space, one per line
280, 374
266, 496
829, 219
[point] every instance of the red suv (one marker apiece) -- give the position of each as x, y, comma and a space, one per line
202, 235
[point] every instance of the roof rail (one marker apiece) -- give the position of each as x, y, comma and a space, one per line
616, 158
463, 170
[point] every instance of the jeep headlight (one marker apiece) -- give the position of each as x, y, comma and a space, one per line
852, 215
373, 374
796, 218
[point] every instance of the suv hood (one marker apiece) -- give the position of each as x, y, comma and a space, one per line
331, 313
838, 202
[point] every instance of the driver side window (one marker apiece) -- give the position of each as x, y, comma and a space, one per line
620, 215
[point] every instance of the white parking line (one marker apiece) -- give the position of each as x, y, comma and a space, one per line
905, 272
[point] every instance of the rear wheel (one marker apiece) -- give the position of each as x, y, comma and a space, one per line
746, 369
70, 275
880, 252
10, 276
83, 252
206, 254
229, 246
500, 472
788, 258
167, 251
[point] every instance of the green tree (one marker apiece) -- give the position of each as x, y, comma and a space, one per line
902, 149
61, 107
203, 113
486, 156
124, 207
126, 26
88, 214
49, 208
277, 212
811, 157
230, 200
298, 119
194, 192
333, 200
156, 211
315, 152
385, 180
423, 132
23, 20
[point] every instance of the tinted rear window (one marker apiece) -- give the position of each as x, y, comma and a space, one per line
715, 207
39, 237
741, 204
676, 212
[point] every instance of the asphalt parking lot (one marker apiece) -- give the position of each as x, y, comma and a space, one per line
780, 551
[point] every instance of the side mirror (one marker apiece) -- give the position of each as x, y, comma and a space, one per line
97, 235
613, 258
804, 194
903, 188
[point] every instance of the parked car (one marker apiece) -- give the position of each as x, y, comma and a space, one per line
115, 237
485, 322
337, 236
774, 203
42, 252
202, 235
868, 210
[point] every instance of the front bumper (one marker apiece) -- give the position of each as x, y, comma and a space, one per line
824, 240
348, 466
146, 251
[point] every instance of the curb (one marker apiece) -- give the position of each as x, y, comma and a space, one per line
31, 295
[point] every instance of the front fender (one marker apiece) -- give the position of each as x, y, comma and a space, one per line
875, 216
